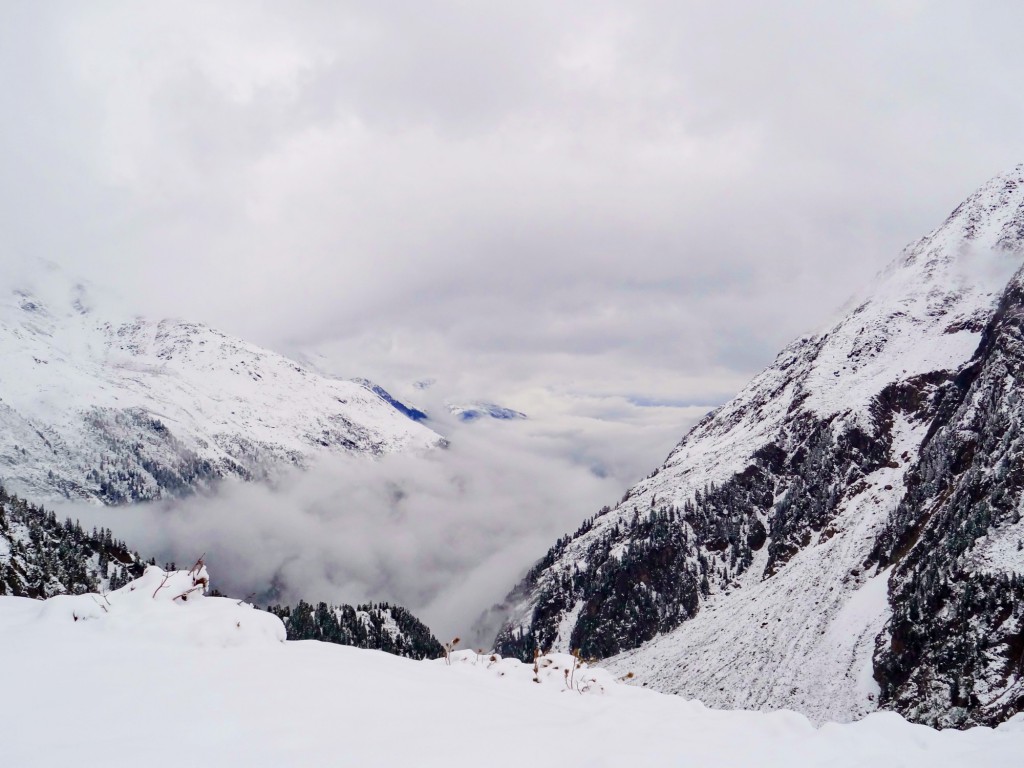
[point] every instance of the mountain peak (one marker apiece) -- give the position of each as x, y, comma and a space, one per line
992, 217
791, 516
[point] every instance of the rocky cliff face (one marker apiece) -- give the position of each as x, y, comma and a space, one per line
953, 651
841, 535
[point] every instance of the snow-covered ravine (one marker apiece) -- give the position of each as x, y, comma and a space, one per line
144, 677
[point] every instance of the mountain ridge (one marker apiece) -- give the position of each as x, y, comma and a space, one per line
741, 571
103, 406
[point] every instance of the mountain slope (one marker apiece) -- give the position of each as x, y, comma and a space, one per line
752, 569
381, 627
408, 411
99, 405
40, 557
955, 644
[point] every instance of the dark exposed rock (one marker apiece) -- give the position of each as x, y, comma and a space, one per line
952, 653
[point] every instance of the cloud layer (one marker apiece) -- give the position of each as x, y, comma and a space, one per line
445, 533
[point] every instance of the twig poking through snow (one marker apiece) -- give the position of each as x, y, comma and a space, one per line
162, 584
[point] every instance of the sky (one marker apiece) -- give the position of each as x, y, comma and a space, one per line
606, 215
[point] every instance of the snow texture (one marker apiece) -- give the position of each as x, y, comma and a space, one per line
145, 677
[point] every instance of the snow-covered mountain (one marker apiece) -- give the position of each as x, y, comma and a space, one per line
845, 534
97, 404
473, 411
409, 411
157, 672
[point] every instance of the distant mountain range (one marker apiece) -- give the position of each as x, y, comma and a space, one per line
96, 404
845, 535
481, 410
463, 411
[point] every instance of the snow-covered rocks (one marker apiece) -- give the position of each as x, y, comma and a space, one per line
161, 607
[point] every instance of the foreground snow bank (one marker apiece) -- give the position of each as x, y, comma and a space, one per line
168, 608
159, 674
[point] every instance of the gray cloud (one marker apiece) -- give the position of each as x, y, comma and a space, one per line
413, 166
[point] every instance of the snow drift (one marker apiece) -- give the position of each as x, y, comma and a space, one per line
158, 673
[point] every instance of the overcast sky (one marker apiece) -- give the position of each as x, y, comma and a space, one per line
642, 197
580, 209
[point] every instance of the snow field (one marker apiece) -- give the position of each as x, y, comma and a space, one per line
165, 681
